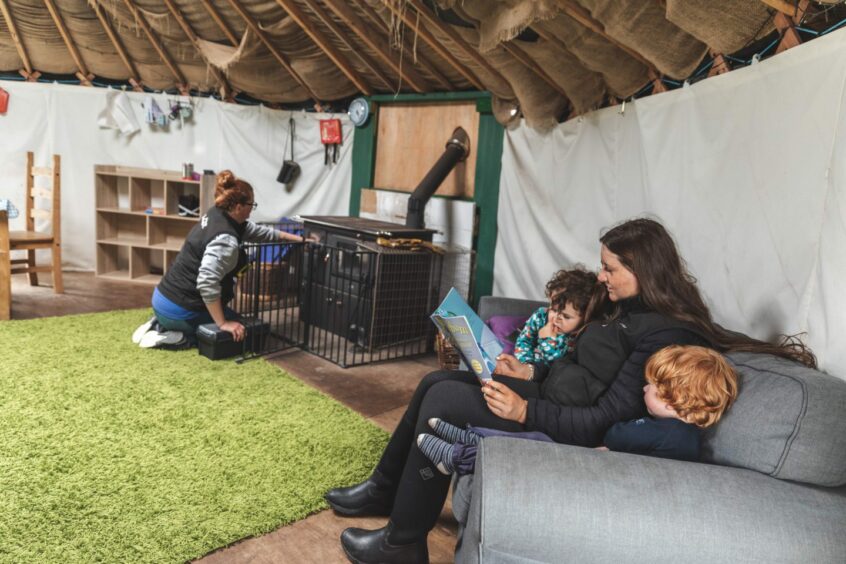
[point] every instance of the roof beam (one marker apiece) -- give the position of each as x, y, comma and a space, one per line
226, 89
520, 55
181, 83
342, 9
251, 23
134, 77
719, 64
215, 15
27, 71
658, 85
530, 64
437, 46
418, 58
325, 45
471, 52
82, 73
783, 6
343, 35
553, 40
585, 18
789, 36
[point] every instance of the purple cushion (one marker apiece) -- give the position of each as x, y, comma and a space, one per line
507, 328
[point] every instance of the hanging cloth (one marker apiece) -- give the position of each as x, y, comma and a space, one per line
118, 114
154, 114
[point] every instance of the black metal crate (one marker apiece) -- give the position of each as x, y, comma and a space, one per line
354, 302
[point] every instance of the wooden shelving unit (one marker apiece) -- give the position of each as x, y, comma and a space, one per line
132, 244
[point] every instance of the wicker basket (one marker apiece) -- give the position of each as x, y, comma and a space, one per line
448, 358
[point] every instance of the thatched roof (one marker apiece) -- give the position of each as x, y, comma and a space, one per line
550, 58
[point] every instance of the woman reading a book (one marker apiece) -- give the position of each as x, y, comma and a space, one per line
655, 304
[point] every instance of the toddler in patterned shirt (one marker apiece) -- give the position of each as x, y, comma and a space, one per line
546, 335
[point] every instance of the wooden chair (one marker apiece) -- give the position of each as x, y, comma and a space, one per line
31, 240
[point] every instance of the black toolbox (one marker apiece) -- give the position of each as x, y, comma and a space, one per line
216, 344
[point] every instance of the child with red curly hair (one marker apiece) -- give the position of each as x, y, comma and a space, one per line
688, 389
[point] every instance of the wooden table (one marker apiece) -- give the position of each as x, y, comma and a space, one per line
5, 268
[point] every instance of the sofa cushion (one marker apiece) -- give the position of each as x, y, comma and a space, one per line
507, 328
788, 422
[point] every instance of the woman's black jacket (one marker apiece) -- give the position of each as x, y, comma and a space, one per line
605, 373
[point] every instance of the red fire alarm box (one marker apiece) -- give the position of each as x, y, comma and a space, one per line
330, 131
4, 101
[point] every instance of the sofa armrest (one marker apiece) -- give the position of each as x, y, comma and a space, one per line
540, 502
494, 305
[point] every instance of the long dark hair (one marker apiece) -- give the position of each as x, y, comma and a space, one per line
666, 286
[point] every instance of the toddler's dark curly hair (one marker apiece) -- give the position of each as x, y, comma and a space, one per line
579, 288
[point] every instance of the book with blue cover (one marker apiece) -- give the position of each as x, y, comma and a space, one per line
471, 337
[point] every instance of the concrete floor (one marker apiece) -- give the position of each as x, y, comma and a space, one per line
378, 392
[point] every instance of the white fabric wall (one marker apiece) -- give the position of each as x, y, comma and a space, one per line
252, 141
747, 170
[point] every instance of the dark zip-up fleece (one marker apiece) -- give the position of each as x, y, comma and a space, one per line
601, 382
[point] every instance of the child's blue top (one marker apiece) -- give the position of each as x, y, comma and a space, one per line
530, 347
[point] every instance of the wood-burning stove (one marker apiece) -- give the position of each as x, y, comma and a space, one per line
372, 294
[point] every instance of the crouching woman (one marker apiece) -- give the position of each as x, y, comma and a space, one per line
201, 281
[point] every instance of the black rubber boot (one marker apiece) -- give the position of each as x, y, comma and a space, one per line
373, 547
372, 497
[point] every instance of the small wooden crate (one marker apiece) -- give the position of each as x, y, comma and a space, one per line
448, 358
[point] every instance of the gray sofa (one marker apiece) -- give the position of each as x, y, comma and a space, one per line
771, 488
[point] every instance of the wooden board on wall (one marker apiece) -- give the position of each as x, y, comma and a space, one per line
412, 137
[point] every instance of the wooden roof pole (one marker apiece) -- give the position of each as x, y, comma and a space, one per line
342, 35
530, 64
375, 42
226, 89
273, 50
785, 22
471, 52
82, 73
420, 59
181, 83
215, 15
584, 17
783, 6
27, 72
438, 47
719, 65
553, 40
519, 54
789, 36
134, 77
325, 45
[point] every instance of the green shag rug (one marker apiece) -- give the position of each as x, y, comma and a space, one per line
111, 453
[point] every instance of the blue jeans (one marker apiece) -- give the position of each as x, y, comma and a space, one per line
188, 327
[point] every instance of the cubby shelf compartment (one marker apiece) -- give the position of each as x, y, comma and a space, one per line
139, 231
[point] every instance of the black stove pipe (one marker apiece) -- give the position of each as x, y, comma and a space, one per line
457, 149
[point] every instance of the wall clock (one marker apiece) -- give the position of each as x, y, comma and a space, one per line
359, 111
